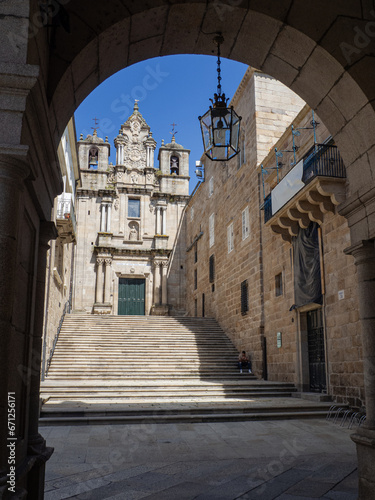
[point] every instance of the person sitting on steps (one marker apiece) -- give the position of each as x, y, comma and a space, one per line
244, 361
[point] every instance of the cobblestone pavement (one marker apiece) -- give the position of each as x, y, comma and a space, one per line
255, 460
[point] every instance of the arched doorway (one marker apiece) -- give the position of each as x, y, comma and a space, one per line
51, 60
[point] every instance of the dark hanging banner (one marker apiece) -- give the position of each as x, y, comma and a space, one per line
307, 278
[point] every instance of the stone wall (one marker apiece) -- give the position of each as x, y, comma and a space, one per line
259, 100
268, 110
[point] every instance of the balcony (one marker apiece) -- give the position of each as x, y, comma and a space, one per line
315, 186
65, 218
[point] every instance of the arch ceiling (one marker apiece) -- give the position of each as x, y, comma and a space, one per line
324, 51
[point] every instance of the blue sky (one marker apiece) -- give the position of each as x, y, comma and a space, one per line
170, 89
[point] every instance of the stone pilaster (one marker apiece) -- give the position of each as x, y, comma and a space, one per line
164, 220
99, 280
107, 281
13, 171
164, 286
364, 255
158, 220
156, 268
37, 449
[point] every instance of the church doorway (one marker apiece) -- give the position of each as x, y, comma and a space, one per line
131, 296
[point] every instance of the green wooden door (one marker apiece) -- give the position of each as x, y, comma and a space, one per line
131, 296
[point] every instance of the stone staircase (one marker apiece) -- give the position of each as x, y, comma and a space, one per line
147, 368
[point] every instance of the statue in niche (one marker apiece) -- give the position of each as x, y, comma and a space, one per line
133, 233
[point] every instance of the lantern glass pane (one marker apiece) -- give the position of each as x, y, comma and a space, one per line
206, 130
235, 131
219, 153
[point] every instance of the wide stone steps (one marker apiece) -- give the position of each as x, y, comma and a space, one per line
118, 369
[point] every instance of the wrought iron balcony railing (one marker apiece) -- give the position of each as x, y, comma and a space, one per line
321, 160
324, 161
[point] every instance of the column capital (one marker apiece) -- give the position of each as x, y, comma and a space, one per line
13, 162
108, 262
47, 232
99, 261
363, 251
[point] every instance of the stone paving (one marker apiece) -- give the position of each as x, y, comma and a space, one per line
256, 460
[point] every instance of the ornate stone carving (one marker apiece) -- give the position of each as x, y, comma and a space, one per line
116, 204
108, 262
149, 177
120, 174
99, 261
134, 176
132, 270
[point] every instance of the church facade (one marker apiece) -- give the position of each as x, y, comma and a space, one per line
128, 257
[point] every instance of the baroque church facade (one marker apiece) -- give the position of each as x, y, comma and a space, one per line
128, 257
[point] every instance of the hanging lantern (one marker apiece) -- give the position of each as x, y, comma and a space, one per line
220, 125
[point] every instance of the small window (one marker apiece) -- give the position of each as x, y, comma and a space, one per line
195, 279
212, 229
134, 208
196, 252
211, 187
279, 284
212, 268
196, 307
245, 223
230, 235
244, 298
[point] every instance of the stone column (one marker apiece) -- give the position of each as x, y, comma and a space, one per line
36, 445
148, 161
107, 281
364, 255
164, 286
12, 174
156, 267
158, 221
109, 211
102, 218
164, 221
99, 280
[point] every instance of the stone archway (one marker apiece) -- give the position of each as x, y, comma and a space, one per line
51, 61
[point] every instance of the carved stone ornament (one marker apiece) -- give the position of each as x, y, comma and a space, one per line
152, 207
149, 177
108, 262
134, 177
116, 204
132, 270
99, 261
119, 174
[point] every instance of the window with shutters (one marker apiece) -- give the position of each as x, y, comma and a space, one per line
230, 233
212, 268
245, 223
211, 223
244, 298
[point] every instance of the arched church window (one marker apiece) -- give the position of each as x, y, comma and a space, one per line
175, 165
93, 158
